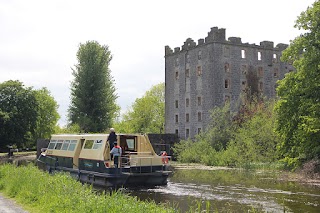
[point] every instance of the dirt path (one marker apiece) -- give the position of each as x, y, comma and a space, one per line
9, 206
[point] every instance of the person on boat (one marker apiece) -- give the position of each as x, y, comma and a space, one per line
112, 138
116, 152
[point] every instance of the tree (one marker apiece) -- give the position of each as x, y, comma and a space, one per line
255, 139
298, 121
93, 99
47, 114
146, 114
220, 129
18, 114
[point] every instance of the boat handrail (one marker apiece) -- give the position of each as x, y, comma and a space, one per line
137, 152
126, 160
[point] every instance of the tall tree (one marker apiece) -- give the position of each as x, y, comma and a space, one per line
220, 129
18, 114
93, 95
47, 114
146, 114
298, 121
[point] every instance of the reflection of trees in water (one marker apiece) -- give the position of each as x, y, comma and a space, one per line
260, 186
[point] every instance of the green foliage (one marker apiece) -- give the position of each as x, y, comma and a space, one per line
230, 143
146, 114
18, 113
221, 128
72, 128
47, 114
25, 114
93, 99
298, 122
255, 140
42, 192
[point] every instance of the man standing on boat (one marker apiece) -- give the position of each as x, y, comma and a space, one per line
116, 152
112, 138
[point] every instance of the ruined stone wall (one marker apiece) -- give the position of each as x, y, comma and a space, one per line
199, 76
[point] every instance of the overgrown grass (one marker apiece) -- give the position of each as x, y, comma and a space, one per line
19, 153
41, 192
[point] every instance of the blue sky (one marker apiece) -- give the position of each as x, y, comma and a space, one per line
39, 39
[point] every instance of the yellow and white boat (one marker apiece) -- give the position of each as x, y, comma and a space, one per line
87, 158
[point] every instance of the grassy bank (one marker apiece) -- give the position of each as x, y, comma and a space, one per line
18, 154
38, 191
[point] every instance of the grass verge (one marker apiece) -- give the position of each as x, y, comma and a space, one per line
38, 191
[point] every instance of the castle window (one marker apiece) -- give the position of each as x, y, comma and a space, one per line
187, 133
187, 117
177, 131
259, 56
243, 85
177, 75
199, 71
226, 51
199, 130
275, 73
176, 118
243, 53
187, 73
226, 67
176, 103
199, 101
199, 55
188, 58
226, 83
226, 99
261, 86
244, 69
260, 72
275, 58
199, 116
177, 62
187, 102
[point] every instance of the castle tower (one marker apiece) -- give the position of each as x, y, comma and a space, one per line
199, 76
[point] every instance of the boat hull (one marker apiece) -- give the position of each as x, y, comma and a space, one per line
115, 177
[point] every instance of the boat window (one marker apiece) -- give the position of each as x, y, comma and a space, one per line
130, 143
52, 144
59, 145
72, 145
65, 145
97, 144
88, 144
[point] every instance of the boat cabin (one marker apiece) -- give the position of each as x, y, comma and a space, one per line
87, 157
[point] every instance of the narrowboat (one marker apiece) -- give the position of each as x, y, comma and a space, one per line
87, 158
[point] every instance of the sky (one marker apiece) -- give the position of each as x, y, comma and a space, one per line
39, 39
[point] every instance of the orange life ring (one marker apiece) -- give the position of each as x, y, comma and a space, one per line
165, 159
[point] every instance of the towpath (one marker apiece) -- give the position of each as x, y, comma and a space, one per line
9, 206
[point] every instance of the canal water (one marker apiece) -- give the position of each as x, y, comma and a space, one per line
233, 191
229, 190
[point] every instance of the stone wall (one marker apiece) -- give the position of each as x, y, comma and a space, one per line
163, 142
199, 76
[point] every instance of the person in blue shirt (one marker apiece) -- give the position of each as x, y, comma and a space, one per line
116, 152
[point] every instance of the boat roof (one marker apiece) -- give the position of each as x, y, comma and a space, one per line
97, 134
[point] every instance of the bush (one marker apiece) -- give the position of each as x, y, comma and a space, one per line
311, 169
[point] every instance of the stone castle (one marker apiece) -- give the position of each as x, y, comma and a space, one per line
199, 76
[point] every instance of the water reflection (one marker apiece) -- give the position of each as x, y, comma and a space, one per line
234, 191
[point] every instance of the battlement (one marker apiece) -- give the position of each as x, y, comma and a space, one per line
189, 44
219, 35
216, 34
